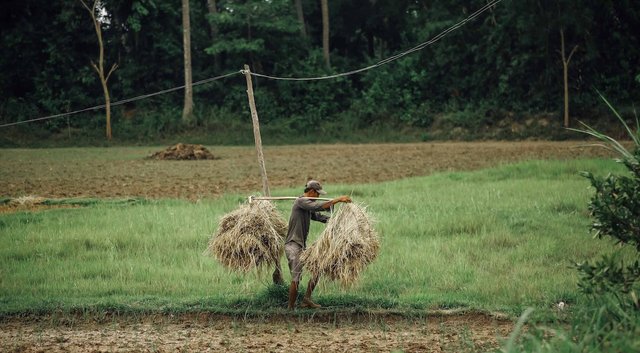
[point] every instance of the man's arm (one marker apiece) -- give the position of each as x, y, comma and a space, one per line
319, 217
308, 204
329, 204
322, 218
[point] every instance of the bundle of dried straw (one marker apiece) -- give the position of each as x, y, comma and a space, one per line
348, 244
249, 237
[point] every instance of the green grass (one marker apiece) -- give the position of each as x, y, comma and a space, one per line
501, 239
602, 326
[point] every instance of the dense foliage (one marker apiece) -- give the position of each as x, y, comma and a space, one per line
616, 209
506, 60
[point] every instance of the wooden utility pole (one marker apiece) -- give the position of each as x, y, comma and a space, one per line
187, 111
277, 272
256, 131
99, 67
565, 76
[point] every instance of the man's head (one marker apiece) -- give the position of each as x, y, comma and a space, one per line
314, 186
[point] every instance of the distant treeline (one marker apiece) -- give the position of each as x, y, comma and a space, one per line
506, 62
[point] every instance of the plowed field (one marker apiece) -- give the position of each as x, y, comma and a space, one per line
121, 172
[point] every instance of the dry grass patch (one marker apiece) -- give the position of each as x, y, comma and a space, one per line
346, 246
29, 204
250, 237
26, 201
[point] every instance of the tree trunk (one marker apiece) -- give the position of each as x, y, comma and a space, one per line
99, 67
325, 32
565, 80
300, 12
107, 100
565, 76
213, 10
187, 112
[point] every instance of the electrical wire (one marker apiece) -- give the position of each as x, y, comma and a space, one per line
124, 101
348, 73
392, 58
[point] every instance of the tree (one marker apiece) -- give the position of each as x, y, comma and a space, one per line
565, 75
300, 13
54, 38
99, 67
325, 32
187, 111
506, 61
152, 31
213, 28
263, 34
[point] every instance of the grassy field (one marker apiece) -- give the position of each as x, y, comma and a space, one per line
499, 239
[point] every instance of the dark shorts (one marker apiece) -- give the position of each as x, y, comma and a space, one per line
293, 251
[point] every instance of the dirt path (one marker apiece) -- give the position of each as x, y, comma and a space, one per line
451, 333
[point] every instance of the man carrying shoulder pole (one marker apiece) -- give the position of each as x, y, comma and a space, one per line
305, 208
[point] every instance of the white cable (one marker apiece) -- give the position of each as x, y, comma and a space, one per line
124, 101
392, 58
380, 63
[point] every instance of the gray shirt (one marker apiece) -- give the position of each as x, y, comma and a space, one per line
302, 212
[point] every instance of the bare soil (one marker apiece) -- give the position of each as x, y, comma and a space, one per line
124, 172
204, 333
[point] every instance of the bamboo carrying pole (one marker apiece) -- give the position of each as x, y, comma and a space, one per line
280, 198
256, 131
276, 198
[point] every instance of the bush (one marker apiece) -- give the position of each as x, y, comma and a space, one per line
610, 320
616, 209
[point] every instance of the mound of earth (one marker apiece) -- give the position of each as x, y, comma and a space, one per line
183, 151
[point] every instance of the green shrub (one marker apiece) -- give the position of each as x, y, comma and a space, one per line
616, 209
610, 319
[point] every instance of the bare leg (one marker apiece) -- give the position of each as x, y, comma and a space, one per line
293, 295
277, 275
306, 301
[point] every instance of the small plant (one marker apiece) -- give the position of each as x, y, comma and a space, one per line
616, 209
610, 319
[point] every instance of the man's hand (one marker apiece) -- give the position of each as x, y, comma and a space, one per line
344, 198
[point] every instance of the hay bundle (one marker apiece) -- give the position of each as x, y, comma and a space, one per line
348, 244
249, 237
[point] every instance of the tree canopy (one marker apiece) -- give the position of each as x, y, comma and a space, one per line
506, 59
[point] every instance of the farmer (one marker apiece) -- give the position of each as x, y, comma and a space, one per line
304, 209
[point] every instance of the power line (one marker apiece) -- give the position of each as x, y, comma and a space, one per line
348, 73
124, 101
392, 58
